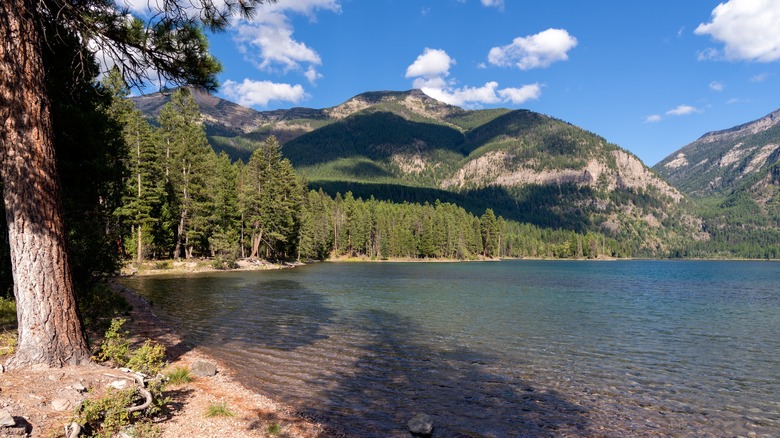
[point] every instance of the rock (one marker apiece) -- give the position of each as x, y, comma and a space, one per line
420, 425
78, 387
60, 404
203, 369
6, 420
118, 384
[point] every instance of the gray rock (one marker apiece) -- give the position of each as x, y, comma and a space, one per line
6, 419
78, 387
420, 425
203, 369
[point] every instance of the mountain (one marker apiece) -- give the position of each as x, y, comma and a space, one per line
722, 161
407, 146
734, 175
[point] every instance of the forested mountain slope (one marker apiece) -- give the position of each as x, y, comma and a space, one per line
406, 146
734, 175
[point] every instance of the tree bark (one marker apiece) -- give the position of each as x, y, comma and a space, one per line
50, 331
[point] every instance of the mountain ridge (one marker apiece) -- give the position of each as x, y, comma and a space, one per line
536, 168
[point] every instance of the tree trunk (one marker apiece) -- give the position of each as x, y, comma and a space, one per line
50, 331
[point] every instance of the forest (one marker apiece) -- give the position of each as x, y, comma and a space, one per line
179, 199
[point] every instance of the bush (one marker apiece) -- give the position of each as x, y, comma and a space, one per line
106, 416
149, 359
115, 346
7, 313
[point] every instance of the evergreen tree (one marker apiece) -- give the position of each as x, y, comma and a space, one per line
188, 164
272, 198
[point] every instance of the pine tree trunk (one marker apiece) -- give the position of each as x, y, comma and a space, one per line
50, 331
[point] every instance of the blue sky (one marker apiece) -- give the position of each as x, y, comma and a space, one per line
648, 76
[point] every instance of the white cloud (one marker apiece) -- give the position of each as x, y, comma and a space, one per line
267, 39
493, 4
259, 93
717, 86
431, 69
430, 64
522, 94
474, 97
534, 51
750, 29
682, 110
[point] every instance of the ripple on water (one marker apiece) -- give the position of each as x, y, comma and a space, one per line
541, 349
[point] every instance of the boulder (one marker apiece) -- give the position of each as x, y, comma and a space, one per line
420, 425
203, 369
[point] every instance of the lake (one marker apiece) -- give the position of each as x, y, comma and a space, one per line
500, 349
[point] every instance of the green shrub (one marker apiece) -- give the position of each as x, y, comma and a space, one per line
149, 359
115, 346
7, 313
219, 410
106, 416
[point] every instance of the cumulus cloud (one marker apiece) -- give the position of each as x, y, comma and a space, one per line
475, 97
534, 51
431, 69
267, 39
259, 93
749, 29
432, 63
717, 86
680, 110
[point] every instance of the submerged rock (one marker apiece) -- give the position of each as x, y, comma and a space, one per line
420, 425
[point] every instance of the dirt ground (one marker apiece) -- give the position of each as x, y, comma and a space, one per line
43, 400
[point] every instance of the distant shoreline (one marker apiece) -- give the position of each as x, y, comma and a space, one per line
196, 266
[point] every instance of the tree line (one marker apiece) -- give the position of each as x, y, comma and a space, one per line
181, 200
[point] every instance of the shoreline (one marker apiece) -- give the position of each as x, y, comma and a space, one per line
254, 413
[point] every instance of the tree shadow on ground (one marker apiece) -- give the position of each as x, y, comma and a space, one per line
466, 393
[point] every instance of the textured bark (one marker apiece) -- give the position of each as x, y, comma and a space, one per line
50, 330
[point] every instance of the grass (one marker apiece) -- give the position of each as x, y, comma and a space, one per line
219, 410
274, 429
7, 343
179, 376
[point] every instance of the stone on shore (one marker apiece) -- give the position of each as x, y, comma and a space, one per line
6, 419
203, 369
420, 425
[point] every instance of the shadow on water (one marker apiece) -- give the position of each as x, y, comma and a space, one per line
396, 378
284, 315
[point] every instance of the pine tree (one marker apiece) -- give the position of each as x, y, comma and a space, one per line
188, 162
